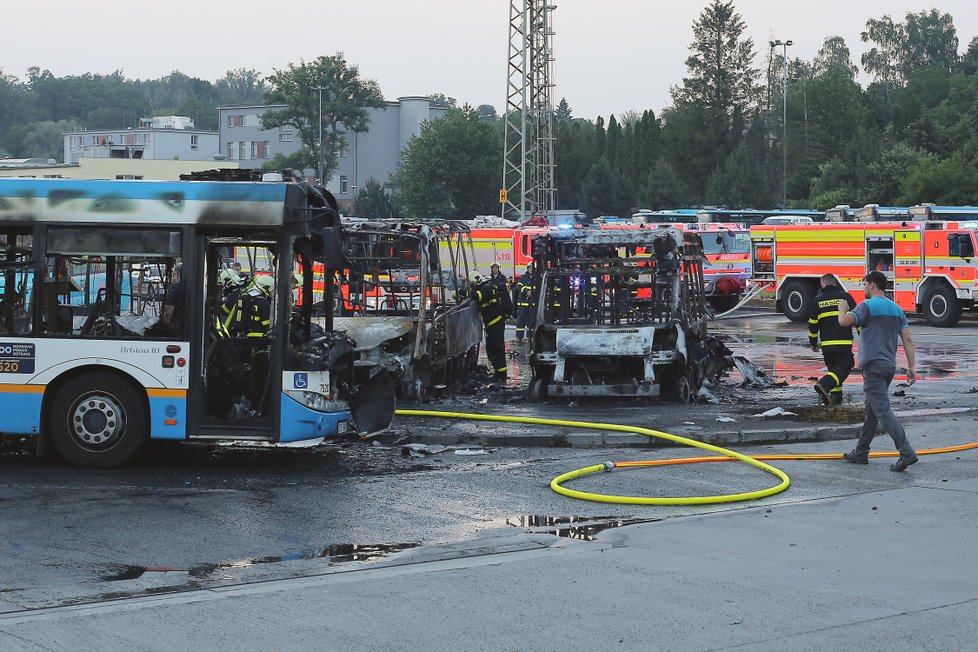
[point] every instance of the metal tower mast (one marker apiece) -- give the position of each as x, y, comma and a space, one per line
528, 138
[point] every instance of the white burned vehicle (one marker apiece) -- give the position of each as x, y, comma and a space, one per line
398, 300
619, 313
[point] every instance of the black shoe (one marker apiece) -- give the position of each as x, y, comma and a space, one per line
855, 458
902, 463
823, 394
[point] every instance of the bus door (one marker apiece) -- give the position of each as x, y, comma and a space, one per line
239, 380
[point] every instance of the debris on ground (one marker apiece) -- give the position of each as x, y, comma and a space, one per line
899, 393
774, 412
726, 420
424, 450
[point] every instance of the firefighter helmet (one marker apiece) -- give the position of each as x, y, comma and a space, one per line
229, 279
265, 283
476, 278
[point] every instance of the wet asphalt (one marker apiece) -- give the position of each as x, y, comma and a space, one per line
187, 517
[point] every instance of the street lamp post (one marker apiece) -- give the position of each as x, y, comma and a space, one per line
784, 123
321, 181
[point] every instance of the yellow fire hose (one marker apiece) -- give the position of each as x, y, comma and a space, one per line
724, 455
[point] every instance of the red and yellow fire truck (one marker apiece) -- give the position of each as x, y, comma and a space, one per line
931, 266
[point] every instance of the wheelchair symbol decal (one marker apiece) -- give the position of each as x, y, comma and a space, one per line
301, 381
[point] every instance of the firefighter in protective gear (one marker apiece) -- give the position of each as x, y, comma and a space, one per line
494, 305
525, 292
250, 315
836, 340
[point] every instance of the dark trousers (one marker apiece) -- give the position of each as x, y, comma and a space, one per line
523, 321
877, 377
496, 347
839, 365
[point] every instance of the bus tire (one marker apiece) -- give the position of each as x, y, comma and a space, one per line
796, 300
99, 421
941, 307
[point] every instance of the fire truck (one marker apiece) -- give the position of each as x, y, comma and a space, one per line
930, 265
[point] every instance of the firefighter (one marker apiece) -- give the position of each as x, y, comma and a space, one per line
524, 290
251, 314
493, 307
836, 340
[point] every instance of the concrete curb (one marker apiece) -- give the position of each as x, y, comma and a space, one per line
578, 438
605, 439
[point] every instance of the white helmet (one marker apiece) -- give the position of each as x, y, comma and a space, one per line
265, 284
476, 278
229, 279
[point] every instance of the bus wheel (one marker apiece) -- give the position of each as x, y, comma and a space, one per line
797, 297
941, 307
98, 420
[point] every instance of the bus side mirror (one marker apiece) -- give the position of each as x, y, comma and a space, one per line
332, 248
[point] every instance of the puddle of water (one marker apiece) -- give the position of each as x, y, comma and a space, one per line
585, 528
337, 553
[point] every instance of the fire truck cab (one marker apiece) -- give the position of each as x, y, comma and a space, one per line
930, 266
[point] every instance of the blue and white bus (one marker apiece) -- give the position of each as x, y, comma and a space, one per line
113, 318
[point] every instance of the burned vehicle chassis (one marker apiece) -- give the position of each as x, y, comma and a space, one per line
619, 313
398, 299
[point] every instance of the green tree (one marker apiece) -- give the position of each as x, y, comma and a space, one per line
931, 41
241, 86
452, 168
952, 181
487, 112
374, 201
443, 100
895, 162
708, 117
574, 150
884, 59
663, 188
345, 98
834, 52
43, 139
563, 114
605, 191
741, 182
721, 77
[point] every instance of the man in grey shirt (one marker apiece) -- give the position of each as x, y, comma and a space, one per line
882, 323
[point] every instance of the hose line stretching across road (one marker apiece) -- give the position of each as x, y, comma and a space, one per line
723, 455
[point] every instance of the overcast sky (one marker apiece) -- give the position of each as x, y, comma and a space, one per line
612, 55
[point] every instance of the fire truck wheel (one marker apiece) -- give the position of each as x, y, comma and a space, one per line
538, 390
99, 420
796, 301
941, 307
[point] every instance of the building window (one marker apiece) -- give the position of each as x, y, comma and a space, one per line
284, 137
344, 186
193, 141
230, 120
254, 150
268, 149
242, 151
74, 141
230, 151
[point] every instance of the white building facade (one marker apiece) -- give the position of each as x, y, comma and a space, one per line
160, 138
